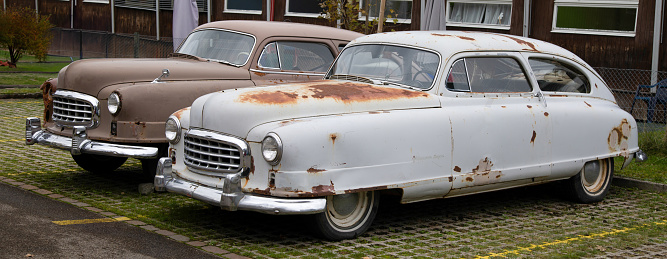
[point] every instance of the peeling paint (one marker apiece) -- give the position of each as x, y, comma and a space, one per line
324, 190
482, 174
346, 92
618, 137
457, 169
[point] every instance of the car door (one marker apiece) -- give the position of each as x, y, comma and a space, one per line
288, 60
500, 124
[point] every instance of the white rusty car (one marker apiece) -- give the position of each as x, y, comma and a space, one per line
424, 115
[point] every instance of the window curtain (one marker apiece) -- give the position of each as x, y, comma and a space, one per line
433, 15
480, 13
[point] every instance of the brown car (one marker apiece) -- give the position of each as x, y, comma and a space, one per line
106, 110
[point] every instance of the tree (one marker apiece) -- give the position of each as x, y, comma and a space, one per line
346, 13
23, 31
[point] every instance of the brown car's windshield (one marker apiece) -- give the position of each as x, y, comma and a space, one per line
218, 45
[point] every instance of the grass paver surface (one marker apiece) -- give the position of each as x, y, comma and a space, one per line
527, 222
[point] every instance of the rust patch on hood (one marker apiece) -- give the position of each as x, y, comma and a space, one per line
618, 137
346, 92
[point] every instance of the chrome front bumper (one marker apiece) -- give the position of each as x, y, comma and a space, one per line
79, 143
230, 197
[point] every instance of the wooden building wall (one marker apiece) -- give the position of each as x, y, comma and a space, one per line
597, 50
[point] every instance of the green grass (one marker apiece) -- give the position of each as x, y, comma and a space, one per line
31, 90
4, 55
36, 67
24, 78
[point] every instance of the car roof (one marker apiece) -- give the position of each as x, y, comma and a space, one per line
264, 29
448, 43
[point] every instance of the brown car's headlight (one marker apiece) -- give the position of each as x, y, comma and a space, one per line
113, 103
172, 130
272, 148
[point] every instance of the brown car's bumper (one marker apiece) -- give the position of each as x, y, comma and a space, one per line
79, 143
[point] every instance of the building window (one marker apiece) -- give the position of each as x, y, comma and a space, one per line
243, 6
399, 11
304, 8
150, 4
480, 14
96, 1
615, 18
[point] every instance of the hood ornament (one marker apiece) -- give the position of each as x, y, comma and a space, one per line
165, 74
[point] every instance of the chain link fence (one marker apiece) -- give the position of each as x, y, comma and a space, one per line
647, 104
99, 44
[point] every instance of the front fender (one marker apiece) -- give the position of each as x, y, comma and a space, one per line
338, 154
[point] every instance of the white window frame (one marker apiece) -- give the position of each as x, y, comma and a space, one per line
240, 11
479, 25
97, 1
389, 20
595, 3
310, 15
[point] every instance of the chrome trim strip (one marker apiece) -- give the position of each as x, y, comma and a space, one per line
230, 196
287, 73
94, 103
80, 144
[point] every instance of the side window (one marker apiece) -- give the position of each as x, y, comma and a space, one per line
298, 56
554, 76
488, 75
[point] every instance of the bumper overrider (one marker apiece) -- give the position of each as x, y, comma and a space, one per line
79, 143
230, 197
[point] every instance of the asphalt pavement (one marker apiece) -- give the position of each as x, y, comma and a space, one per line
35, 226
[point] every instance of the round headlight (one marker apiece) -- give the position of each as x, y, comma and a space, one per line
113, 103
172, 130
272, 148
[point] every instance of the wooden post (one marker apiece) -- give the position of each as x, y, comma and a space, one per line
381, 18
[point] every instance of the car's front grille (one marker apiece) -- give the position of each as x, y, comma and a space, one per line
74, 109
211, 154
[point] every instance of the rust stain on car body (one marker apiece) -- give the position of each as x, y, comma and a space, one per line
346, 92
314, 170
179, 114
457, 36
532, 139
457, 169
482, 174
589, 105
618, 137
546, 114
259, 73
529, 106
520, 41
333, 137
321, 190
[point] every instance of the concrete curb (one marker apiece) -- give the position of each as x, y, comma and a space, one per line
639, 184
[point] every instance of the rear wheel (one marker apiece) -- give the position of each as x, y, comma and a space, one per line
347, 215
98, 163
592, 183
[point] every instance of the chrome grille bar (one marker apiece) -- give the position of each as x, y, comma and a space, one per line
75, 109
212, 153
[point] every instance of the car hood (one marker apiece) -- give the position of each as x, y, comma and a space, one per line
91, 75
236, 112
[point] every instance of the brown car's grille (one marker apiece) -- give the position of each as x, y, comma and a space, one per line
211, 155
72, 111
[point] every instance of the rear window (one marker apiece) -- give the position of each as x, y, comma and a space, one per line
555, 76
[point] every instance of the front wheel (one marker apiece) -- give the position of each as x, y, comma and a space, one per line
592, 183
347, 215
98, 163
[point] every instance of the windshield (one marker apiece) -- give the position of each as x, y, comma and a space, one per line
217, 45
389, 64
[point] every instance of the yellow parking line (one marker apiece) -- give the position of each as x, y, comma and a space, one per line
89, 221
569, 240
10, 118
24, 102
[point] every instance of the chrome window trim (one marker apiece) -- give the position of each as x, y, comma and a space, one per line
243, 147
286, 73
94, 103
